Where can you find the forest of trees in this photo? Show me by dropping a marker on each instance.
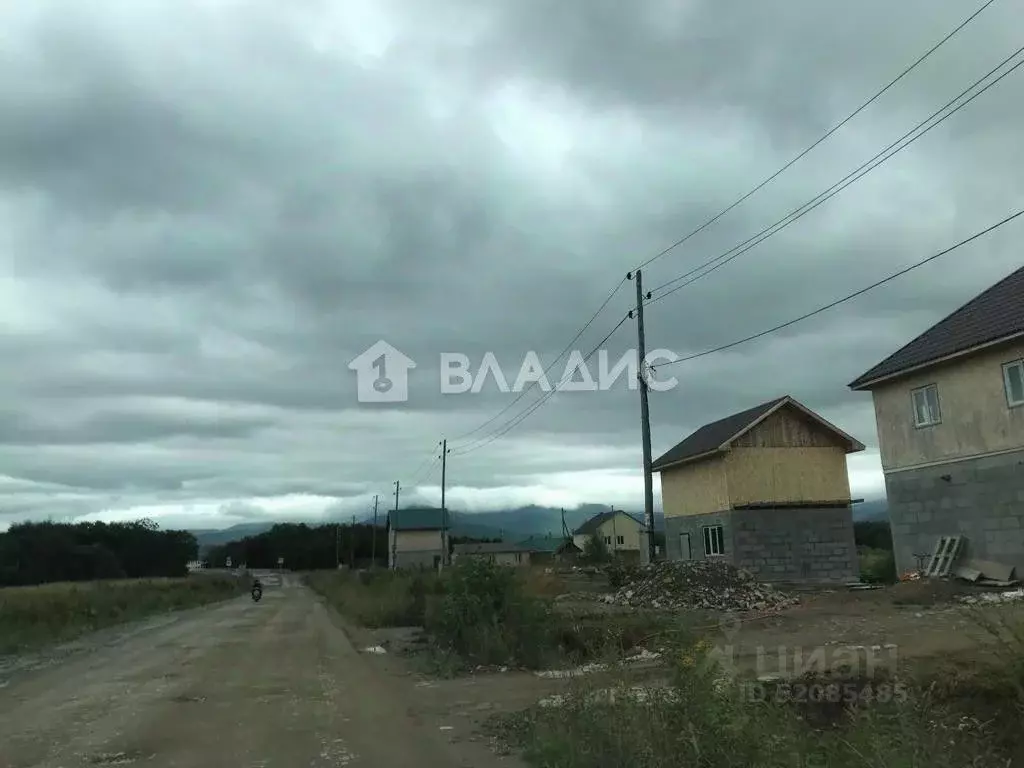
(38, 553)
(304, 547)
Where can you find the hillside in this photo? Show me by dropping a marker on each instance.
(502, 524)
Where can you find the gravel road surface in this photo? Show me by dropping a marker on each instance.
(274, 684)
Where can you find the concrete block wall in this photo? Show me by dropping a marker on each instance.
(694, 525)
(982, 499)
(813, 545)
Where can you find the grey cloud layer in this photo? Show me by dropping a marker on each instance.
(206, 214)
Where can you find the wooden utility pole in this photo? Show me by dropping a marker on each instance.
(373, 543)
(645, 413)
(337, 546)
(444, 509)
(394, 531)
(352, 546)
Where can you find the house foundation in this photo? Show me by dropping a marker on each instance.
(981, 499)
(804, 544)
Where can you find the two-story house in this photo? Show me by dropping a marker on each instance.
(949, 407)
(417, 537)
(766, 490)
(623, 535)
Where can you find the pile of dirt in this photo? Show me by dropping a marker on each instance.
(699, 584)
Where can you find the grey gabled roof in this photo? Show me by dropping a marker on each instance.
(996, 313)
(417, 519)
(715, 437)
(591, 525)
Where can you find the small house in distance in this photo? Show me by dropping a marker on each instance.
(621, 533)
(417, 537)
(499, 553)
(949, 406)
(766, 490)
(549, 548)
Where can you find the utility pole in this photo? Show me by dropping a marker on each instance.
(337, 546)
(645, 413)
(394, 531)
(373, 543)
(444, 509)
(352, 545)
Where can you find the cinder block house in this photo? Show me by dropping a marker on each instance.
(621, 533)
(766, 490)
(417, 537)
(949, 407)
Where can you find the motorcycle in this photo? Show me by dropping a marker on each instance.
(257, 592)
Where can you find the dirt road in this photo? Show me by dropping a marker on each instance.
(237, 685)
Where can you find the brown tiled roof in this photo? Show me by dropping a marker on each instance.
(711, 437)
(995, 314)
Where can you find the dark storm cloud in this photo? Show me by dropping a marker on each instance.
(220, 210)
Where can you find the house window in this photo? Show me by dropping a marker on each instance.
(620, 540)
(607, 539)
(1013, 377)
(713, 540)
(926, 406)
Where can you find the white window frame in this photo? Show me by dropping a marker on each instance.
(709, 533)
(933, 417)
(1007, 367)
(620, 540)
(608, 540)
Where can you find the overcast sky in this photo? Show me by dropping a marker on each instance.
(208, 209)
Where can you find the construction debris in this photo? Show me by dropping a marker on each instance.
(697, 584)
(1011, 596)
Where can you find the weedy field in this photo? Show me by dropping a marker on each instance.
(551, 665)
(32, 617)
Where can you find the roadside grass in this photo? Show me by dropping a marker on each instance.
(926, 716)
(33, 617)
(476, 614)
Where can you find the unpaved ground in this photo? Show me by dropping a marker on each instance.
(273, 684)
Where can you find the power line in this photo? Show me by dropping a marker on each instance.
(480, 443)
(848, 297)
(828, 133)
(851, 178)
(548, 369)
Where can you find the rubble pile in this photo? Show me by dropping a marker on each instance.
(699, 584)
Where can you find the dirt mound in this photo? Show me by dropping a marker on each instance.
(698, 584)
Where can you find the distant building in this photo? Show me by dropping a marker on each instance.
(499, 553)
(548, 548)
(622, 534)
(417, 537)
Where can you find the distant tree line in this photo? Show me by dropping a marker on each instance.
(873, 534)
(304, 547)
(39, 553)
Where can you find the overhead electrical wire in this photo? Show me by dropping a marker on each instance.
(824, 136)
(480, 442)
(848, 297)
(858, 173)
(568, 347)
(522, 416)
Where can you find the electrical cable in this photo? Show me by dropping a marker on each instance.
(848, 297)
(568, 347)
(480, 443)
(851, 178)
(828, 133)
